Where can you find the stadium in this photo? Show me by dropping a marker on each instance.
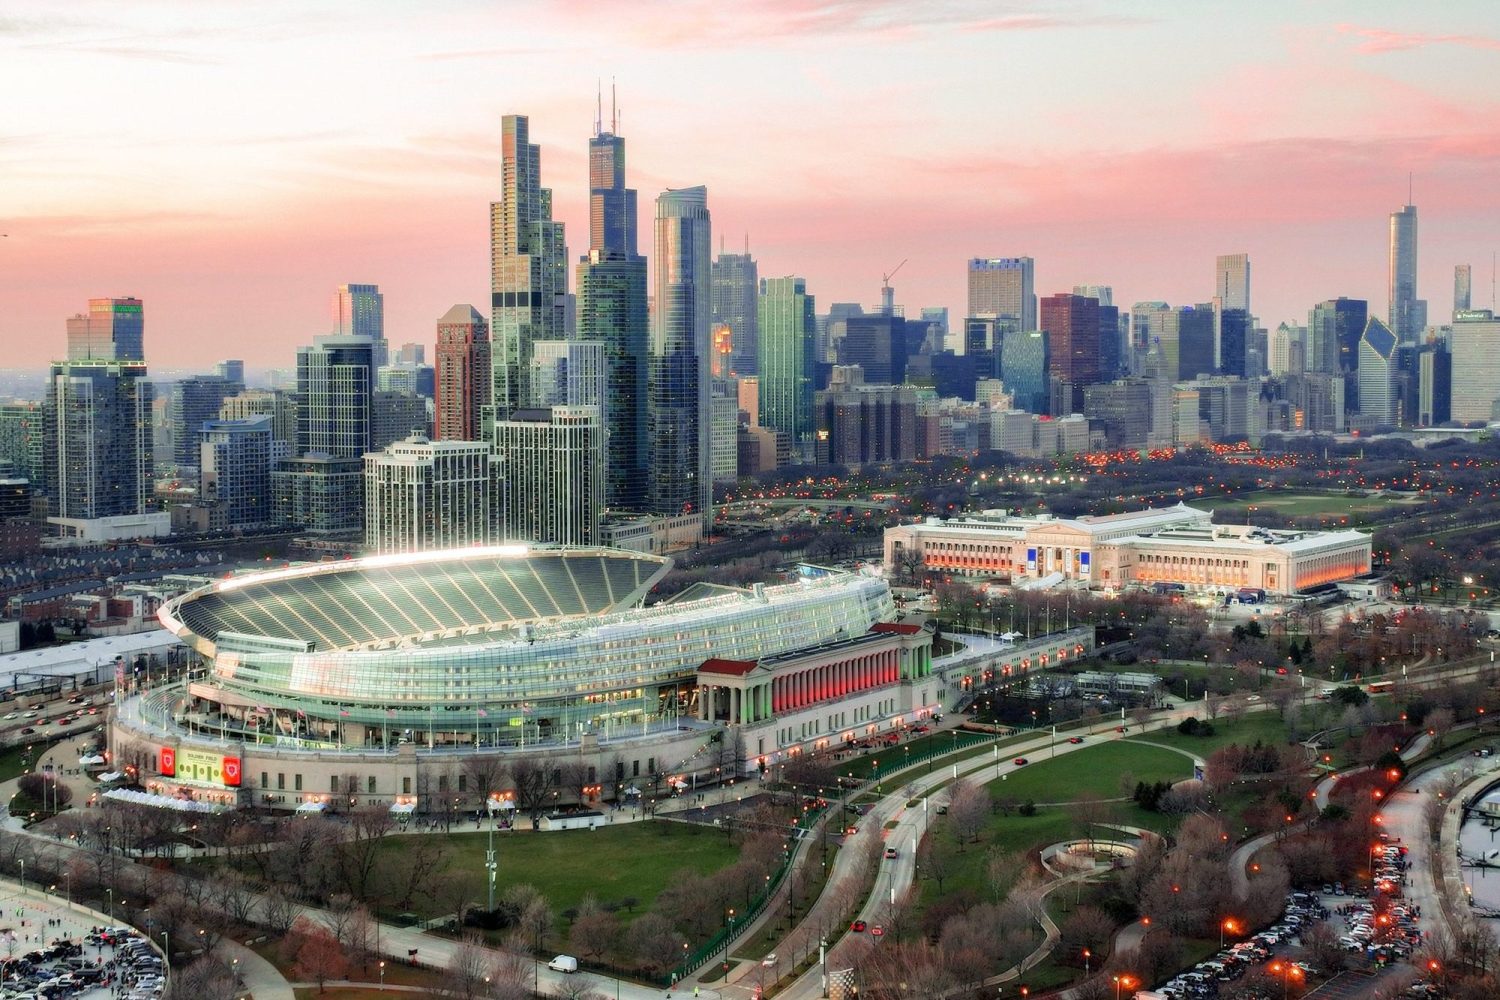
(381, 680)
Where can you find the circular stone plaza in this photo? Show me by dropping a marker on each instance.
(404, 680)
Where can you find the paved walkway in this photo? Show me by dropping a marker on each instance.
(258, 975)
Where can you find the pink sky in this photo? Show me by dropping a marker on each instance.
(232, 163)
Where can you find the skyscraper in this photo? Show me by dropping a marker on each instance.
(679, 432)
(1333, 331)
(551, 463)
(1105, 294)
(463, 380)
(194, 401)
(1072, 326)
(1462, 278)
(735, 299)
(1378, 396)
(877, 343)
(1232, 281)
(568, 373)
(97, 445)
(422, 494)
(112, 330)
(1025, 362)
(528, 269)
(359, 311)
(234, 464)
(1475, 344)
(1002, 287)
(787, 354)
(1407, 315)
(1234, 342)
(612, 311)
(1196, 353)
(321, 489)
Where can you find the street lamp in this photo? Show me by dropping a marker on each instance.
(1287, 971)
(382, 974)
(1227, 925)
(1121, 982)
(1086, 956)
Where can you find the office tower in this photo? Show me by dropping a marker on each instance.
(420, 380)
(279, 405)
(612, 310)
(1378, 396)
(1462, 278)
(528, 268)
(1232, 281)
(1286, 350)
(938, 317)
(1123, 407)
(568, 373)
(1475, 346)
(231, 371)
(859, 424)
(97, 450)
(736, 297)
(422, 494)
(982, 341)
(1334, 328)
(194, 401)
(877, 343)
(748, 393)
(1407, 315)
(832, 327)
(464, 378)
(1196, 353)
(112, 330)
(359, 311)
(1072, 326)
(1025, 363)
(21, 439)
(551, 462)
(1434, 385)
(679, 392)
(1104, 294)
(397, 414)
(234, 471)
(321, 488)
(335, 391)
(410, 355)
(1234, 342)
(786, 358)
(1002, 287)
(723, 428)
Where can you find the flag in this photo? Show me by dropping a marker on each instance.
(301, 714)
(483, 714)
(390, 713)
(343, 711)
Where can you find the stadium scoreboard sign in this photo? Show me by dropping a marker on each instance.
(201, 765)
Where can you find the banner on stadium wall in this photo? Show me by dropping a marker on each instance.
(208, 767)
(168, 759)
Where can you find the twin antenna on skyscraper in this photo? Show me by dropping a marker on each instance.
(614, 110)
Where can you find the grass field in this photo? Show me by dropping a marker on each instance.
(896, 757)
(1091, 771)
(1264, 726)
(10, 760)
(613, 862)
(1295, 503)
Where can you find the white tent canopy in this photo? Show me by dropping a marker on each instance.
(135, 796)
(403, 808)
(312, 807)
(109, 776)
(90, 760)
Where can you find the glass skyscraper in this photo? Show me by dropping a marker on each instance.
(1407, 314)
(680, 479)
(736, 299)
(612, 310)
(787, 345)
(97, 450)
(528, 268)
(359, 311)
(112, 330)
(1024, 363)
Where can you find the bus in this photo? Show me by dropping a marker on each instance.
(1381, 687)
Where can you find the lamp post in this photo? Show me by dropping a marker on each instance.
(1086, 956)
(1122, 981)
(166, 946)
(111, 891)
(22, 862)
(382, 975)
(1229, 925)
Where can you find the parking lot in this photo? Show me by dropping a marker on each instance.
(54, 951)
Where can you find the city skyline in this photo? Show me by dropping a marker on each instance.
(1275, 133)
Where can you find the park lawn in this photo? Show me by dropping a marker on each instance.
(895, 758)
(1094, 770)
(1264, 726)
(611, 862)
(10, 760)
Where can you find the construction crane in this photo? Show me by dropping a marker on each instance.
(887, 294)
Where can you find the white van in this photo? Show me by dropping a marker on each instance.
(563, 963)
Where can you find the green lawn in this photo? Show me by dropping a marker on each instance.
(1298, 504)
(1264, 726)
(612, 862)
(1094, 770)
(10, 760)
(896, 757)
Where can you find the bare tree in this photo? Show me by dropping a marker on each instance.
(968, 810)
(594, 930)
(655, 943)
(279, 912)
(533, 779)
(468, 966)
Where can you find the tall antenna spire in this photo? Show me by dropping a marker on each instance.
(747, 243)
(614, 110)
(1408, 187)
(599, 106)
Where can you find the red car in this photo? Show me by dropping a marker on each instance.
(857, 927)
(1019, 761)
(1075, 739)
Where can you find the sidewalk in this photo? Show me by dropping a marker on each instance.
(259, 976)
